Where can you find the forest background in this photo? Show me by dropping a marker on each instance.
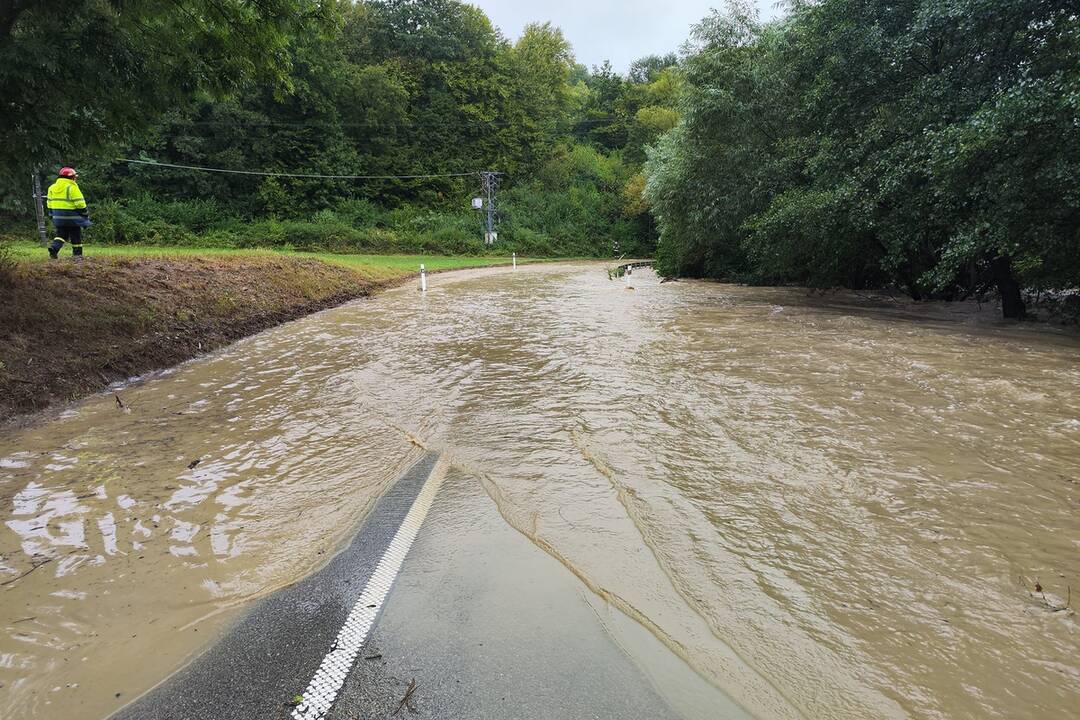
(927, 145)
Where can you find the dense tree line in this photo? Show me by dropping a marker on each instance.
(379, 87)
(919, 143)
(930, 144)
(83, 75)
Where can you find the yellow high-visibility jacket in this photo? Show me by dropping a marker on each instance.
(67, 206)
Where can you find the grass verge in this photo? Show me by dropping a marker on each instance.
(69, 329)
(373, 267)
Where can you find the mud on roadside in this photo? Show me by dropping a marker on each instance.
(68, 330)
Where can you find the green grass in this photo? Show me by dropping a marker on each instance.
(374, 267)
(412, 262)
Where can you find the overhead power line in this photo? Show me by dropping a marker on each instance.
(153, 163)
(243, 122)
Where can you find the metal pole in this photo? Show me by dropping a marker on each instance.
(490, 181)
(490, 208)
(39, 207)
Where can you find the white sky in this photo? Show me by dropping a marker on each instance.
(617, 30)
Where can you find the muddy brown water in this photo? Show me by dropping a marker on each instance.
(826, 507)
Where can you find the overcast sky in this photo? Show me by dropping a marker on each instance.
(617, 30)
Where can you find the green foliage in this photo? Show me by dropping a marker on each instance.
(927, 144)
(649, 68)
(575, 201)
(804, 236)
(80, 76)
(360, 227)
(7, 265)
(373, 88)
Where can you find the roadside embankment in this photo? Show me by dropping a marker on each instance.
(68, 330)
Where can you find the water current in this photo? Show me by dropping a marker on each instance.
(827, 506)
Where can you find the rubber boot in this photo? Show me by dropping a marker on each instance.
(54, 249)
(76, 253)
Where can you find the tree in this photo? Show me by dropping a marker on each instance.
(953, 124)
(704, 176)
(377, 87)
(604, 122)
(923, 143)
(82, 75)
(646, 70)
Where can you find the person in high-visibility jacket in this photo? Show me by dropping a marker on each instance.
(67, 208)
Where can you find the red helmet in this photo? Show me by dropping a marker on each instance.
(68, 172)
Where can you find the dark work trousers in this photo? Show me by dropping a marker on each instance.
(67, 233)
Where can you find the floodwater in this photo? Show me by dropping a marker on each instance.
(826, 507)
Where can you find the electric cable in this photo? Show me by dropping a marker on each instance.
(154, 163)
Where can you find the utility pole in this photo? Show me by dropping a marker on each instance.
(39, 207)
(489, 183)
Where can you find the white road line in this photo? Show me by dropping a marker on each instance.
(335, 667)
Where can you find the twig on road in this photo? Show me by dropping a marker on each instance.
(32, 569)
(406, 702)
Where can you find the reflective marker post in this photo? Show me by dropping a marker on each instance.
(423, 278)
(515, 261)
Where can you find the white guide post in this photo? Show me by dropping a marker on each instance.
(423, 278)
(515, 261)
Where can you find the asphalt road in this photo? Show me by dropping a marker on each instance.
(479, 622)
(490, 626)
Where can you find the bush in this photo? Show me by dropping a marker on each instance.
(581, 217)
(530, 242)
(455, 241)
(193, 215)
(371, 239)
(112, 225)
(160, 232)
(219, 238)
(310, 237)
(357, 213)
(7, 265)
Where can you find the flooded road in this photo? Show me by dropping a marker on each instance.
(825, 507)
